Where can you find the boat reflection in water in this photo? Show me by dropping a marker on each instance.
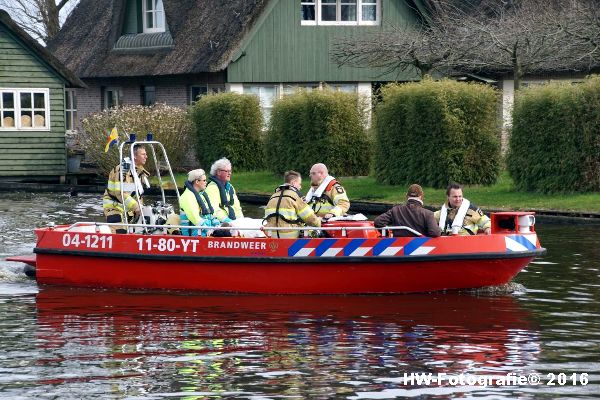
(308, 346)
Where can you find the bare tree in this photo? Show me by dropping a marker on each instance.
(40, 18)
(406, 49)
(582, 27)
(497, 36)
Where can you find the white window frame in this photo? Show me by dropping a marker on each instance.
(338, 5)
(156, 13)
(277, 86)
(71, 109)
(16, 92)
(285, 89)
(346, 87)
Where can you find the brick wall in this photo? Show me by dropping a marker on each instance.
(88, 101)
(173, 91)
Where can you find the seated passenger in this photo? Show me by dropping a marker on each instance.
(326, 196)
(412, 214)
(287, 209)
(459, 216)
(195, 206)
(221, 192)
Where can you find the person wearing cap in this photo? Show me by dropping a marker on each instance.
(412, 214)
(326, 196)
(195, 206)
(286, 208)
(458, 216)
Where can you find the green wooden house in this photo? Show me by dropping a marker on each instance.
(32, 107)
(172, 51)
(289, 45)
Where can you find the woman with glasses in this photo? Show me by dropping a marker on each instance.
(195, 206)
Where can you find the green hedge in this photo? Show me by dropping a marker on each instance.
(325, 126)
(170, 125)
(555, 139)
(436, 132)
(229, 125)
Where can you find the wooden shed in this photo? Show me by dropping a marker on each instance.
(32, 107)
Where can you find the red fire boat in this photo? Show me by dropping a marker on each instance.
(354, 258)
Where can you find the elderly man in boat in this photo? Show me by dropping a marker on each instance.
(286, 209)
(226, 205)
(195, 206)
(326, 196)
(458, 216)
(221, 192)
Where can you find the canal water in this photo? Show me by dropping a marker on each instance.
(537, 338)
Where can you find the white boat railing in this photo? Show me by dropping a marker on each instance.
(149, 142)
(343, 229)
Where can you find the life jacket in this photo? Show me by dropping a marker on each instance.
(204, 204)
(317, 196)
(225, 202)
(129, 184)
(446, 225)
(280, 193)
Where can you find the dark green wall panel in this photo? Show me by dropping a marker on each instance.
(31, 153)
(279, 49)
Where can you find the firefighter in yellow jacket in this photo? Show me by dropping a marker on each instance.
(326, 196)
(287, 209)
(116, 205)
(459, 217)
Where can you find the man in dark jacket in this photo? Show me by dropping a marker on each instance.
(412, 214)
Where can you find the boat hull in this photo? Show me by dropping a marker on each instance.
(276, 278)
(280, 266)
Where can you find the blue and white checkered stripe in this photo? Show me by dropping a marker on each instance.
(357, 247)
(521, 242)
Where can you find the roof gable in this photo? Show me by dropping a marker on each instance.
(204, 36)
(45, 57)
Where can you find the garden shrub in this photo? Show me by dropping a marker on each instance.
(555, 140)
(436, 132)
(324, 126)
(169, 125)
(229, 125)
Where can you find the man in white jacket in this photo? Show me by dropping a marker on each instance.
(458, 216)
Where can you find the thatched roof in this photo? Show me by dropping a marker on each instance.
(40, 51)
(205, 33)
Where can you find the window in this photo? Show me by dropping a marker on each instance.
(198, 91)
(148, 95)
(344, 87)
(24, 109)
(340, 12)
(267, 94)
(70, 110)
(307, 11)
(289, 88)
(154, 16)
(113, 97)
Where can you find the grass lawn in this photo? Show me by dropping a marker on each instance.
(364, 188)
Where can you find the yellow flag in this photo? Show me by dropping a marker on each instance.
(113, 138)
